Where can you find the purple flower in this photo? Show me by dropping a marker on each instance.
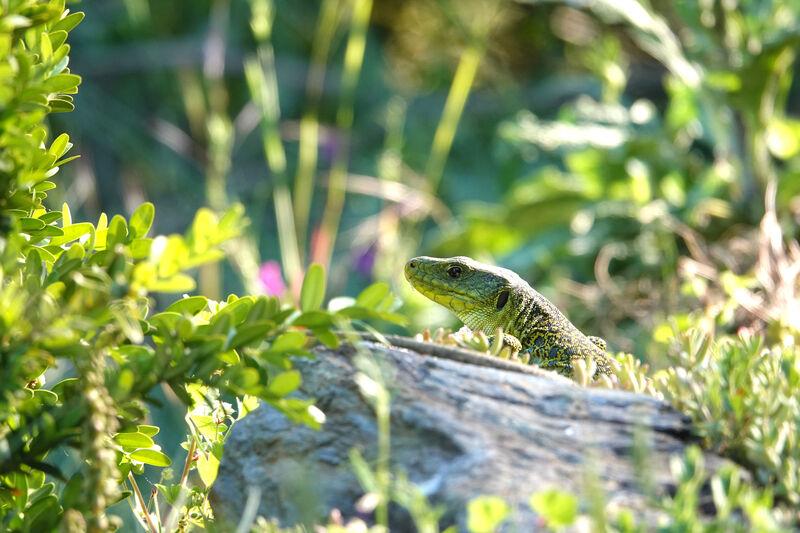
(271, 278)
(330, 145)
(364, 262)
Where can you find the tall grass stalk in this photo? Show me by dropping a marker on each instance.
(371, 380)
(390, 169)
(383, 473)
(309, 124)
(337, 181)
(218, 130)
(263, 84)
(206, 105)
(453, 108)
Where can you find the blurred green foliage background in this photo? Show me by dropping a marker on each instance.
(616, 155)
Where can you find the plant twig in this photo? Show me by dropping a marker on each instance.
(148, 520)
(187, 466)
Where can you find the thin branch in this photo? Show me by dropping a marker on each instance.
(142, 504)
(187, 466)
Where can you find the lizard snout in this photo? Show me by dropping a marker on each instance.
(411, 267)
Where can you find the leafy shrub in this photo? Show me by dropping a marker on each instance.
(742, 397)
(738, 505)
(75, 303)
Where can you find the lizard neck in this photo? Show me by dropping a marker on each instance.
(488, 318)
(532, 316)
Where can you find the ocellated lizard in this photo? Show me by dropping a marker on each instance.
(486, 297)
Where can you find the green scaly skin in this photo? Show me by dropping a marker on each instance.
(485, 297)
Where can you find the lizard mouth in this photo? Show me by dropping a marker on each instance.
(443, 294)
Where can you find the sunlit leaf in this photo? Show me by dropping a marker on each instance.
(557, 508)
(150, 431)
(141, 220)
(284, 383)
(250, 333)
(133, 440)
(151, 457)
(312, 293)
(486, 513)
(373, 295)
(207, 467)
(190, 305)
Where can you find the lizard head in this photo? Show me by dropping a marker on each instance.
(477, 293)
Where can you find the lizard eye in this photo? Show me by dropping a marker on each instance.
(502, 300)
(454, 271)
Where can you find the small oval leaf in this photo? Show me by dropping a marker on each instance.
(133, 439)
(313, 292)
(151, 457)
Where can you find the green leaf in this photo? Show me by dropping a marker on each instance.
(165, 321)
(122, 496)
(61, 105)
(142, 220)
(486, 513)
(284, 383)
(117, 232)
(238, 309)
(783, 137)
(326, 337)
(45, 46)
(190, 305)
(312, 293)
(71, 494)
(46, 256)
(68, 22)
(50, 216)
(289, 341)
(42, 489)
(373, 295)
(362, 471)
(61, 83)
(176, 283)
(60, 145)
(244, 379)
(246, 405)
(207, 426)
(133, 440)
(42, 514)
(150, 431)
(557, 508)
(47, 397)
(151, 457)
(57, 38)
(72, 232)
(30, 224)
(207, 467)
(140, 248)
(314, 319)
(170, 493)
(250, 333)
(204, 230)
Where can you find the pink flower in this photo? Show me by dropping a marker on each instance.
(271, 278)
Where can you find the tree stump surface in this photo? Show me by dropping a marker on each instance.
(459, 431)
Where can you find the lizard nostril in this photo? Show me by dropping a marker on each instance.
(412, 264)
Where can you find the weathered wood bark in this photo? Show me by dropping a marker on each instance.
(458, 430)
